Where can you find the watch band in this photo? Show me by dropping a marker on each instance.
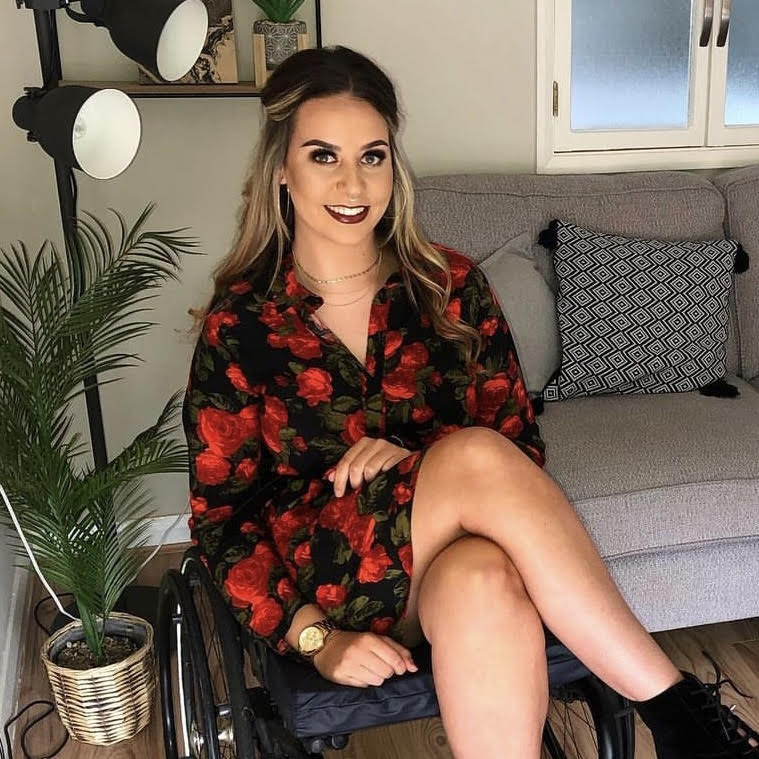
(327, 626)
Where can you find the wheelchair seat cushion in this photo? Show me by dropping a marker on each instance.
(313, 706)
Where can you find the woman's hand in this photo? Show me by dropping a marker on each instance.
(362, 659)
(364, 460)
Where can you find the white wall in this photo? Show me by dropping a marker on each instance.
(465, 78)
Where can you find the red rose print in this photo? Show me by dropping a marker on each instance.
(303, 554)
(371, 364)
(436, 379)
(274, 419)
(400, 384)
(471, 400)
(513, 368)
(285, 526)
(225, 432)
(211, 469)
(489, 326)
(360, 533)
(246, 470)
(247, 581)
(281, 380)
(304, 346)
(315, 385)
(373, 565)
(238, 379)
(460, 267)
(423, 414)
(286, 590)
(219, 514)
(402, 493)
(267, 615)
(315, 487)
(493, 394)
(214, 322)
(250, 528)
(331, 596)
(381, 625)
(283, 468)
(240, 288)
(378, 318)
(520, 393)
(355, 427)
(414, 356)
(198, 505)
(407, 464)
(453, 310)
(393, 341)
(405, 554)
(271, 317)
(511, 426)
(292, 286)
(299, 444)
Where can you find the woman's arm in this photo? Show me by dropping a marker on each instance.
(498, 394)
(222, 423)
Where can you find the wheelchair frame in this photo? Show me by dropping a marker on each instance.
(220, 716)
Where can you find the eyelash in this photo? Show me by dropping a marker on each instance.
(379, 154)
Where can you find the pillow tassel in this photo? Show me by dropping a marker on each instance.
(720, 389)
(741, 260)
(548, 238)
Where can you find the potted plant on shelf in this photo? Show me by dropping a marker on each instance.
(64, 318)
(277, 36)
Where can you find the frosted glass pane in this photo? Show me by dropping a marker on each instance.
(742, 99)
(630, 64)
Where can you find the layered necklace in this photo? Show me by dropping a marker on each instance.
(335, 280)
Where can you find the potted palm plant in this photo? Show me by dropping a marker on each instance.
(65, 317)
(277, 36)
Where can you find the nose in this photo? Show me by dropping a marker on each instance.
(350, 182)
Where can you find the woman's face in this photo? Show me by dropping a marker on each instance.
(338, 169)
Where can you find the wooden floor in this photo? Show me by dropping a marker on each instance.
(735, 646)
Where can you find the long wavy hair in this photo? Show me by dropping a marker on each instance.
(266, 222)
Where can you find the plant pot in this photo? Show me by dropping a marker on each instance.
(108, 704)
(273, 41)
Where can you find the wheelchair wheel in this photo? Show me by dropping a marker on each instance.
(587, 719)
(198, 712)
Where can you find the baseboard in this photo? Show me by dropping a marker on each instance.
(11, 657)
(178, 531)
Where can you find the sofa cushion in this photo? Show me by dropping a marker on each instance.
(741, 190)
(478, 213)
(529, 306)
(638, 316)
(651, 474)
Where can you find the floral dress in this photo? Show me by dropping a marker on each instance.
(274, 402)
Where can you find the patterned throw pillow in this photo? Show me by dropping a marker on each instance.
(640, 316)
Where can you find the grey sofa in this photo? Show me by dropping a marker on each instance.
(667, 484)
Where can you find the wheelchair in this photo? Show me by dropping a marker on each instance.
(284, 709)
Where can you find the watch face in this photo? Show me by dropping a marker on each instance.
(311, 639)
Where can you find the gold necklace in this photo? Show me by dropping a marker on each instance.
(348, 303)
(338, 279)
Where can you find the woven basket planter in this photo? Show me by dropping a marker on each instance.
(109, 704)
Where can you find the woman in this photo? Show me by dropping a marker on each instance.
(366, 469)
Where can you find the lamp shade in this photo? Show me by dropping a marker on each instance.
(164, 36)
(97, 131)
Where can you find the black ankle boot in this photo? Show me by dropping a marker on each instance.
(688, 721)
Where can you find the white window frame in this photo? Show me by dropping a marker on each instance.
(561, 151)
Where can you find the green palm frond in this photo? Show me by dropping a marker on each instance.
(279, 10)
(64, 317)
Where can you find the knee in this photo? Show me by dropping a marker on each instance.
(479, 449)
(471, 578)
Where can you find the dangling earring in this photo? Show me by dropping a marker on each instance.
(287, 208)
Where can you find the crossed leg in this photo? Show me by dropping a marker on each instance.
(473, 604)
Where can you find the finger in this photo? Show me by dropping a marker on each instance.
(378, 461)
(342, 468)
(396, 458)
(404, 653)
(371, 677)
(357, 466)
(386, 662)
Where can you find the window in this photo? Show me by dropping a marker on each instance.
(647, 84)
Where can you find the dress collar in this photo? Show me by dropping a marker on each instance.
(287, 291)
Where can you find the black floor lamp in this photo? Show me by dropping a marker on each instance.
(98, 131)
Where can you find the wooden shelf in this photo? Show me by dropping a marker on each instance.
(135, 89)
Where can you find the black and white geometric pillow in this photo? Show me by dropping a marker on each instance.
(640, 316)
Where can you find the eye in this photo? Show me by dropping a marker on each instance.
(318, 154)
(378, 155)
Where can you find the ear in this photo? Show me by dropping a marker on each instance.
(282, 177)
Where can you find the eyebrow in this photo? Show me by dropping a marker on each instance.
(336, 148)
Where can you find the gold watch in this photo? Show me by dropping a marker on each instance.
(312, 638)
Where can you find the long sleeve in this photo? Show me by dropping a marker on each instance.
(222, 424)
(498, 393)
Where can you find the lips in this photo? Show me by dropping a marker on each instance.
(345, 219)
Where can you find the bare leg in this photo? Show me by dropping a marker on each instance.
(475, 481)
(488, 652)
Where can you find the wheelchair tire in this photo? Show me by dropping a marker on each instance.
(225, 656)
(587, 719)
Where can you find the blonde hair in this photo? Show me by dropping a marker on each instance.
(264, 231)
